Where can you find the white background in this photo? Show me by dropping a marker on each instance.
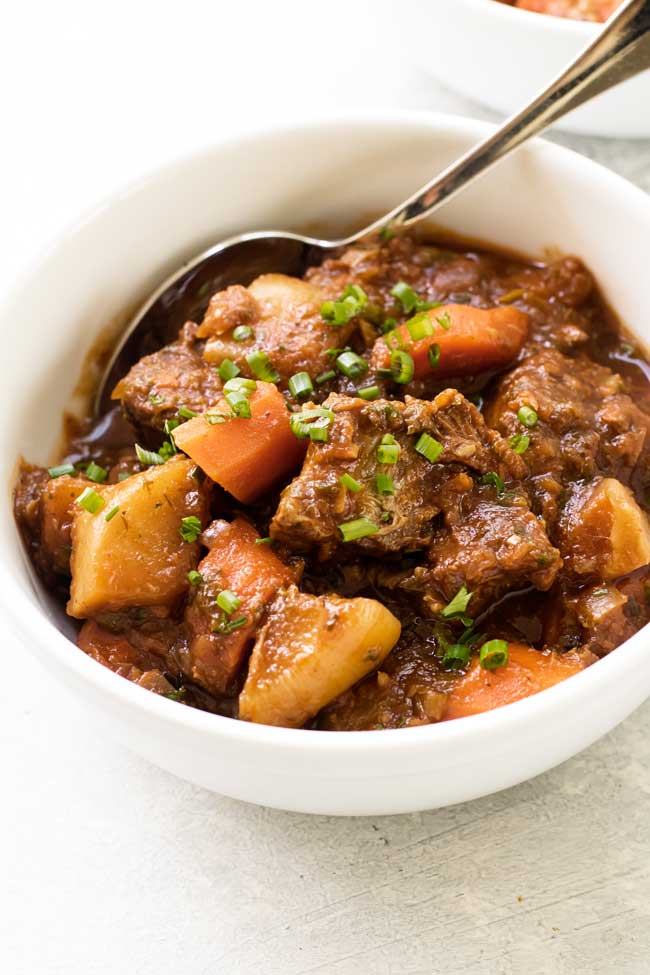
(108, 865)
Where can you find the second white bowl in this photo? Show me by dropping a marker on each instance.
(502, 56)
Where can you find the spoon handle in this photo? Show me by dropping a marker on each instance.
(621, 50)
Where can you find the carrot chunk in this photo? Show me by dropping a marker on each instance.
(527, 672)
(252, 574)
(244, 456)
(465, 340)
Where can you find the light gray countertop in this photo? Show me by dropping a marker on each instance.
(110, 865)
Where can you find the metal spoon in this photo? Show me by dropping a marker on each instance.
(620, 51)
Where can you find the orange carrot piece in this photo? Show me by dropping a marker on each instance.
(254, 574)
(527, 672)
(470, 340)
(245, 456)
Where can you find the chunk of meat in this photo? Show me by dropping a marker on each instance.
(595, 10)
(490, 544)
(288, 327)
(121, 655)
(586, 424)
(311, 649)
(600, 617)
(410, 690)
(527, 672)
(158, 385)
(314, 505)
(227, 310)
(254, 574)
(465, 340)
(135, 555)
(57, 514)
(603, 532)
(245, 456)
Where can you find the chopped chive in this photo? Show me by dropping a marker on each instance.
(264, 541)
(318, 432)
(385, 373)
(429, 447)
(194, 578)
(96, 473)
(242, 333)
(351, 365)
(325, 377)
(388, 450)
(405, 295)
(386, 516)
(386, 233)
(262, 366)
(90, 501)
(111, 514)
(369, 392)
(349, 482)
(240, 385)
(458, 604)
(444, 321)
(228, 370)
(420, 327)
(215, 417)
(493, 654)
(148, 457)
(61, 470)
(402, 366)
(520, 443)
(229, 626)
(239, 404)
(190, 528)
(122, 476)
(359, 528)
(385, 484)
(155, 399)
(186, 414)
(456, 654)
(300, 385)
(228, 602)
(527, 416)
(351, 303)
(410, 300)
(433, 355)
(493, 478)
(393, 339)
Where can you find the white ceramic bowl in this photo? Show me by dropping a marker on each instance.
(325, 174)
(501, 56)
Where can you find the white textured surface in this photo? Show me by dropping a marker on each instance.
(109, 865)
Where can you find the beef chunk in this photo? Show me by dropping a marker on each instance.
(586, 425)
(44, 508)
(158, 385)
(285, 316)
(317, 502)
(558, 297)
(227, 310)
(410, 689)
(490, 544)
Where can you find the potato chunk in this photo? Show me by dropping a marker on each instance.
(137, 557)
(311, 649)
(604, 532)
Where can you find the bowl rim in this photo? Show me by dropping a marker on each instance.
(583, 29)
(28, 626)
